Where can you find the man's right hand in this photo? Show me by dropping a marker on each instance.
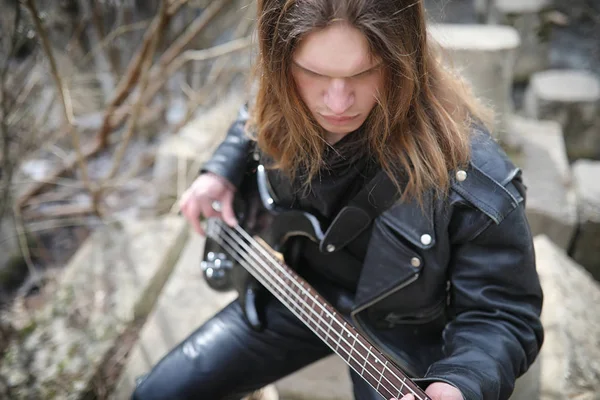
(197, 200)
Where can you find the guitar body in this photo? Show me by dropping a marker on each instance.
(258, 215)
(253, 259)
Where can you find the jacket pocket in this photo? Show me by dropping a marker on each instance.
(417, 317)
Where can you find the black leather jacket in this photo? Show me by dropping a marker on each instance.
(450, 289)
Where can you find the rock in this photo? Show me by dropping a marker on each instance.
(328, 379)
(180, 157)
(570, 357)
(586, 245)
(571, 98)
(551, 201)
(485, 56)
(111, 281)
(526, 16)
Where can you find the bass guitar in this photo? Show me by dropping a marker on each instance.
(249, 258)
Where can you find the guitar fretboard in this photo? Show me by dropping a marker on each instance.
(303, 300)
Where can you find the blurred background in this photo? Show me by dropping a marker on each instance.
(109, 107)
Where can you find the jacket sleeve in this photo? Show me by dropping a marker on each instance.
(230, 158)
(496, 333)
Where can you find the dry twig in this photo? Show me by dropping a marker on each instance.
(121, 30)
(137, 106)
(132, 74)
(62, 91)
(22, 238)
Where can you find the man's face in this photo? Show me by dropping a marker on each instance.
(337, 78)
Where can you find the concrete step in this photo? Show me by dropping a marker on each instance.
(551, 200)
(484, 55)
(571, 98)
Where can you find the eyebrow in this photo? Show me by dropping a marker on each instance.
(352, 76)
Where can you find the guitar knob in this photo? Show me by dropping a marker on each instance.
(216, 269)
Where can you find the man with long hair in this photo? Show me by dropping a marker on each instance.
(443, 279)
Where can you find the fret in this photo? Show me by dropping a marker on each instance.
(366, 360)
(312, 322)
(397, 382)
(354, 361)
(400, 392)
(383, 370)
(337, 345)
(330, 316)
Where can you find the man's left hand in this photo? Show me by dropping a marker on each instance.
(439, 391)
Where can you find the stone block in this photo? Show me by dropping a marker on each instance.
(185, 303)
(527, 17)
(180, 157)
(569, 367)
(551, 201)
(572, 99)
(111, 281)
(586, 244)
(484, 55)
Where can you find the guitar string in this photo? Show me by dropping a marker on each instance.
(343, 327)
(349, 333)
(281, 297)
(275, 263)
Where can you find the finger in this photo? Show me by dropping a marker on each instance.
(407, 397)
(192, 214)
(228, 213)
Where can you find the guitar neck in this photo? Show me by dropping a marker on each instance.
(315, 312)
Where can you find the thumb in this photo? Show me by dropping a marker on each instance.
(228, 213)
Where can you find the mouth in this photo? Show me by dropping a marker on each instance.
(339, 119)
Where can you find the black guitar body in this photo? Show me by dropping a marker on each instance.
(258, 215)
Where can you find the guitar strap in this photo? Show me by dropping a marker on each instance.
(377, 196)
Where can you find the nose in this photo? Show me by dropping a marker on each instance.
(339, 96)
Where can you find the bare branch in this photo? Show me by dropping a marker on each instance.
(6, 167)
(132, 73)
(195, 55)
(62, 91)
(190, 33)
(86, 153)
(137, 107)
(121, 30)
(23, 242)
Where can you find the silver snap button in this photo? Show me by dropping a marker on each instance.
(330, 248)
(415, 262)
(461, 175)
(426, 239)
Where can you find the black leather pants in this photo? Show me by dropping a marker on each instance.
(225, 359)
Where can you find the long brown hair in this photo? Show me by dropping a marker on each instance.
(421, 124)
